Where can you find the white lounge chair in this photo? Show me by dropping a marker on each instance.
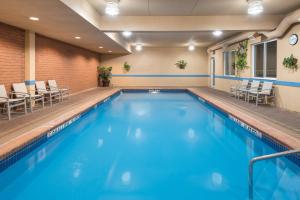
(50, 95)
(8, 103)
(53, 87)
(263, 94)
(20, 91)
(254, 86)
(243, 85)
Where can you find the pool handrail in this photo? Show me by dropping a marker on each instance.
(260, 158)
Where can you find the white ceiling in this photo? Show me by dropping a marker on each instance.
(195, 7)
(56, 21)
(61, 21)
(176, 39)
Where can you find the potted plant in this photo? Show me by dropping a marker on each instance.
(290, 63)
(241, 57)
(104, 75)
(181, 64)
(126, 67)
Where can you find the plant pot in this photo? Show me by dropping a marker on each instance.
(105, 83)
(99, 82)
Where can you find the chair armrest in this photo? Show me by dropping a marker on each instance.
(266, 90)
(42, 90)
(4, 98)
(21, 93)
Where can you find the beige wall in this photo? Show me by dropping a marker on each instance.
(286, 97)
(159, 61)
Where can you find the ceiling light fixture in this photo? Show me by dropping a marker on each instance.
(112, 7)
(109, 51)
(101, 47)
(139, 47)
(127, 33)
(34, 18)
(255, 7)
(217, 33)
(191, 47)
(77, 37)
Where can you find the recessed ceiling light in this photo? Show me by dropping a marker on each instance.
(112, 7)
(126, 33)
(255, 7)
(217, 33)
(77, 37)
(191, 47)
(34, 18)
(139, 47)
(101, 47)
(109, 51)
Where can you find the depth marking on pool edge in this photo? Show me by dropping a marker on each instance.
(61, 127)
(105, 100)
(246, 126)
(201, 99)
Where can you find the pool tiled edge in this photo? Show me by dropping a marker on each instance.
(17, 147)
(265, 129)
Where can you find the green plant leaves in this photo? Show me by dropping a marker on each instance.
(290, 63)
(104, 72)
(126, 67)
(241, 57)
(181, 64)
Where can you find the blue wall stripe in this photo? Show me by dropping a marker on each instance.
(29, 82)
(161, 75)
(276, 82)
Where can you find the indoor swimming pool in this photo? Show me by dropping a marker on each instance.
(150, 146)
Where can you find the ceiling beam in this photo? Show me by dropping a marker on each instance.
(190, 23)
(90, 15)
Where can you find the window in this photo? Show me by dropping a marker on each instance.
(229, 63)
(265, 59)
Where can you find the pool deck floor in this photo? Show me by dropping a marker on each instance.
(22, 128)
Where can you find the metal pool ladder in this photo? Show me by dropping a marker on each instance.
(265, 157)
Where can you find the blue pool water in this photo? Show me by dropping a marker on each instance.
(150, 147)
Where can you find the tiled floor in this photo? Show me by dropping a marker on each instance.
(23, 123)
(287, 119)
(286, 122)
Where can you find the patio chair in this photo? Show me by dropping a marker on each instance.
(263, 94)
(243, 85)
(64, 92)
(49, 95)
(20, 91)
(254, 86)
(9, 104)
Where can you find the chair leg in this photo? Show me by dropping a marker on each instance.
(25, 107)
(62, 96)
(50, 96)
(31, 106)
(8, 111)
(43, 101)
(257, 100)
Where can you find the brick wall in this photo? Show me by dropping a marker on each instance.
(12, 56)
(69, 65)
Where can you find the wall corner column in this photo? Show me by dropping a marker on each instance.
(30, 60)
